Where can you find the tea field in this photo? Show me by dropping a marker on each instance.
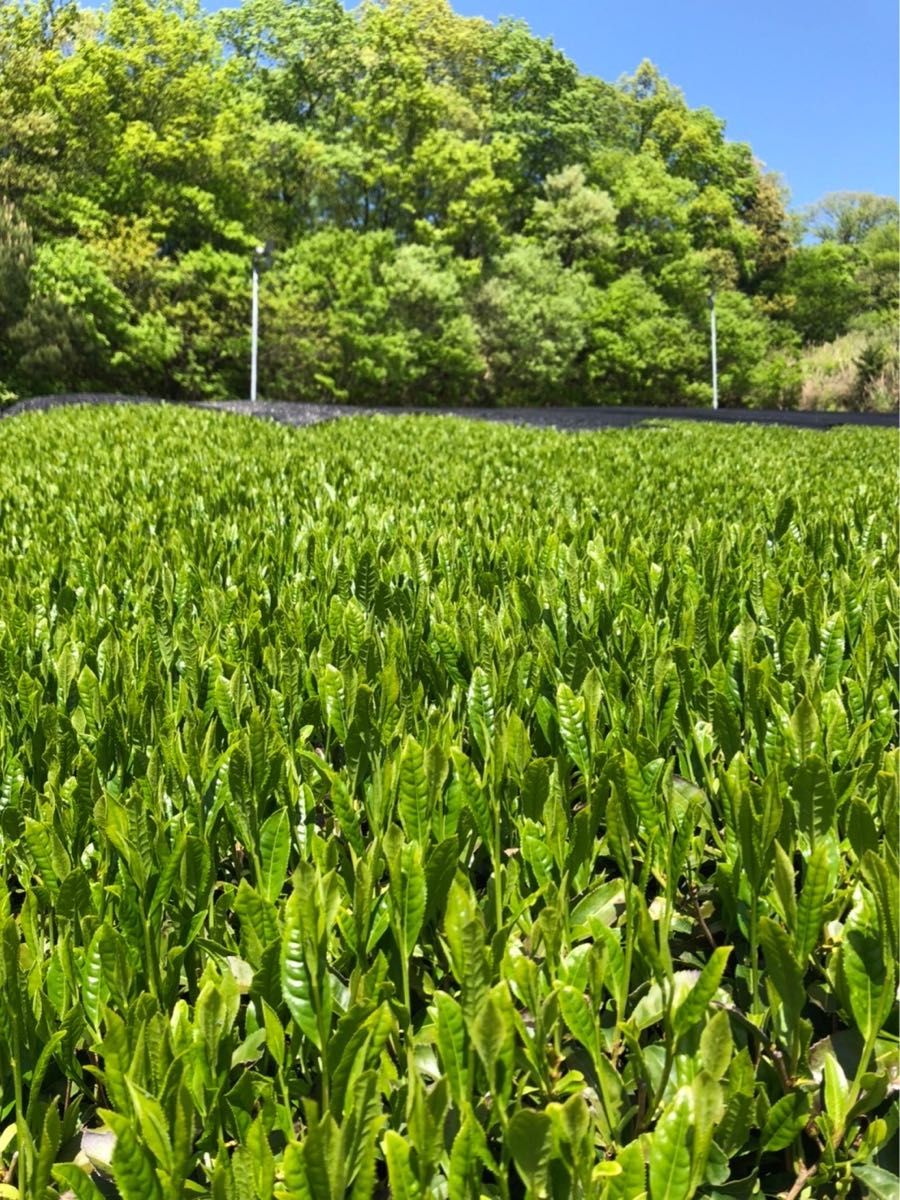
(405, 807)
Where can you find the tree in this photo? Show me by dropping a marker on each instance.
(47, 345)
(462, 192)
(148, 125)
(641, 350)
(534, 95)
(758, 364)
(29, 47)
(426, 301)
(646, 94)
(848, 217)
(651, 205)
(80, 329)
(766, 215)
(457, 210)
(693, 146)
(574, 220)
(825, 293)
(74, 324)
(532, 314)
(203, 298)
(16, 259)
(299, 57)
(351, 316)
(879, 270)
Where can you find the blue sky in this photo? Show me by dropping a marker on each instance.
(812, 85)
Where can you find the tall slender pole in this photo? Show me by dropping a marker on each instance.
(712, 336)
(254, 330)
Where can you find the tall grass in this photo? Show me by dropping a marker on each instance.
(859, 371)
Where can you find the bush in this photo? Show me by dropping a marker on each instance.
(877, 381)
(775, 382)
(16, 259)
(426, 303)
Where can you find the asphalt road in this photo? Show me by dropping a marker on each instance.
(574, 418)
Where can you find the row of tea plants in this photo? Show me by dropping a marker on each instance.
(418, 808)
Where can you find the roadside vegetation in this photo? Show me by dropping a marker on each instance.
(456, 214)
(859, 370)
(420, 808)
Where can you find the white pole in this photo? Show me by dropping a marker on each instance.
(254, 330)
(712, 334)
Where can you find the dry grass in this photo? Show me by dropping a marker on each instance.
(839, 375)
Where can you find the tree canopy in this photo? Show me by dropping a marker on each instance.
(458, 214)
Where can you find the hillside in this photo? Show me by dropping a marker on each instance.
(455, 214)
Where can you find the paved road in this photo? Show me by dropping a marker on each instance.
(575, 418)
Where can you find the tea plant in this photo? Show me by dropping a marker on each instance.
(418, 808)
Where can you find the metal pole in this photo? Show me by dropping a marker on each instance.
(254, 330)
(712, 335)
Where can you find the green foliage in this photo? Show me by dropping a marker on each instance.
(72, 275)
(352, 316)
(765, 214)
(418, 172)
(850, 218)
(826, 294)
(340, 852)
(449, 201)
(16, 258)
(848, 278)
(200, 319)
(642, 348)
(755, 360)
(576, 221)
(48, 348)
(531, 315)
(879, 271)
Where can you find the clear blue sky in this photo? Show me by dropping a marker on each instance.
(812, 85)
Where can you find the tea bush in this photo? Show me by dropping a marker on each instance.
(418, 808)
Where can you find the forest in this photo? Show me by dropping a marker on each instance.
(452, 212)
